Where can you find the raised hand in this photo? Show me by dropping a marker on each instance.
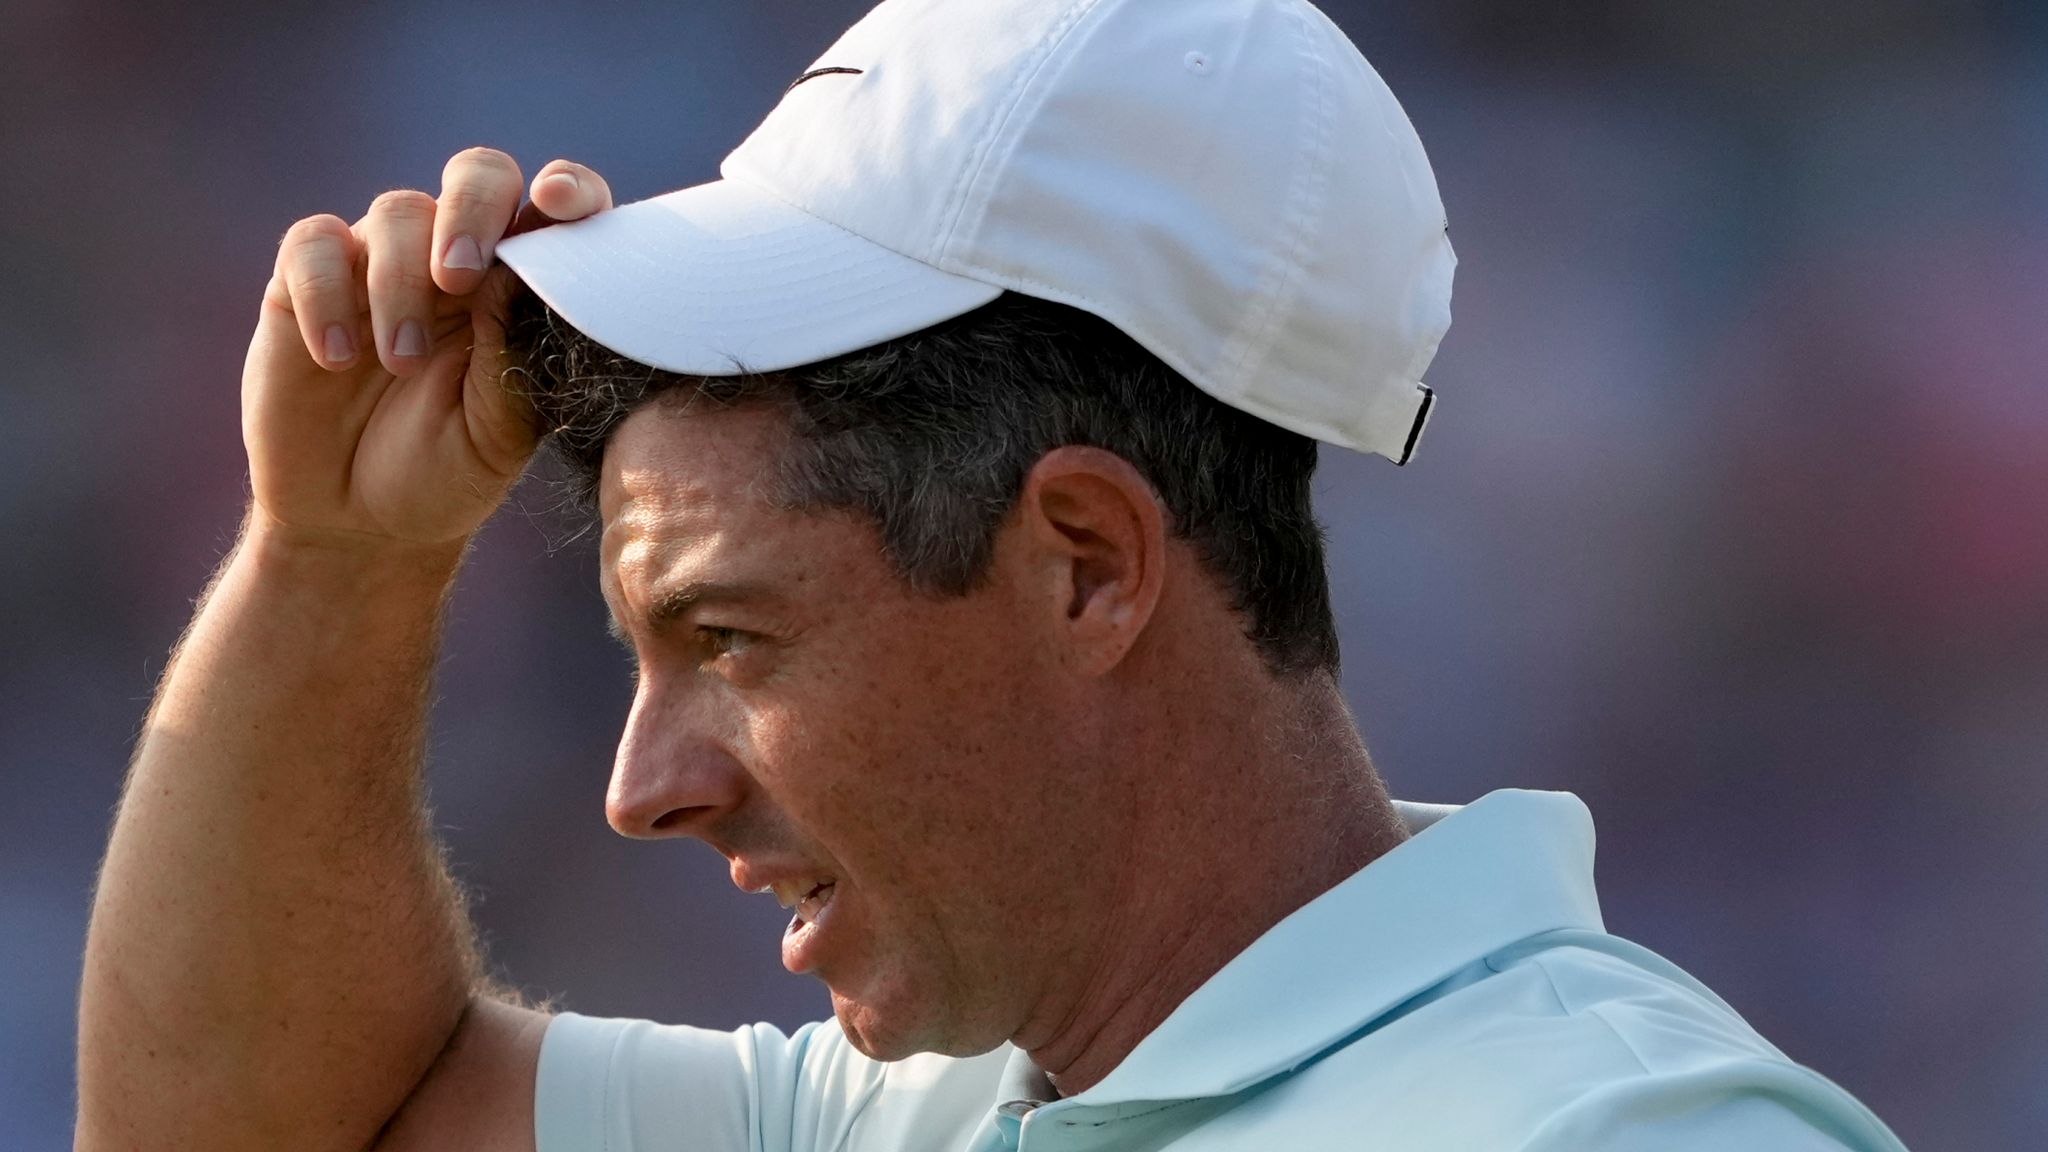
(372, 404)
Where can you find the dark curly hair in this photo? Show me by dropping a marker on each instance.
(931, 435)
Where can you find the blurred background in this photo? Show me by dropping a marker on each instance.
(1733, 518)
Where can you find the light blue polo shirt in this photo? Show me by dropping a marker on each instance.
(1459, 994)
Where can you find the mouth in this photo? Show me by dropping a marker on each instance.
(809, 898)
(811, 905)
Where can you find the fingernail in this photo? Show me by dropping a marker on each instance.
(565, 179)
(463, 253)
(340, 345)
(411, 340)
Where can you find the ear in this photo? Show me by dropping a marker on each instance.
(1096, 533)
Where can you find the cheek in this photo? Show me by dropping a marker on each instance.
(903, 749)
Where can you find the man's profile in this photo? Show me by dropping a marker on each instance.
(953, 461)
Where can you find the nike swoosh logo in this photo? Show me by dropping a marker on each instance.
(814, 73)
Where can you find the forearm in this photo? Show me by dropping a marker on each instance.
(276, 953)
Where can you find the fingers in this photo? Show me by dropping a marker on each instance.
(315, 281)
(503, 423)
(479, 194)
(397, 237)
(562, 190)
(411, 261)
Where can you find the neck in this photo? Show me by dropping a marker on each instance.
(1237, 816)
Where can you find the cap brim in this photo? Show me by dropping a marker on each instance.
(722, 279)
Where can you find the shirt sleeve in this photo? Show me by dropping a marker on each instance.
(635, 1086)
(1763, 1105)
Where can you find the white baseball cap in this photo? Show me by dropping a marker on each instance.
(1226, 181)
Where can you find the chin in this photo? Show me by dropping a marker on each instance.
(882, 1030)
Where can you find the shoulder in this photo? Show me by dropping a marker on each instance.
(1574, 1040)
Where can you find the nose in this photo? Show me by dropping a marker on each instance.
(671, 777)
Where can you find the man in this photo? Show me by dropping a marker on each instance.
(953, 457)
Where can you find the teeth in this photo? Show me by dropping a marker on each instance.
(812, 906)
(791, 893)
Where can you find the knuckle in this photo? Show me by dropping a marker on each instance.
(318, 283)
(401, 280)
(467, 199)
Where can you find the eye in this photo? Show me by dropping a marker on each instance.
(723, 641)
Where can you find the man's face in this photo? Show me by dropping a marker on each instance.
(907, 768)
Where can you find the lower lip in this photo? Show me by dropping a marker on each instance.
(802, 942)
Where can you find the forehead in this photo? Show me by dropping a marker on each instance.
(678, 486)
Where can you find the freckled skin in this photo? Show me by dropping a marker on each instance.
(1052, 807)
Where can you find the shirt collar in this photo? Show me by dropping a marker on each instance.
(1471, 881)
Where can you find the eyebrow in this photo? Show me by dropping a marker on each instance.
(676, 603)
